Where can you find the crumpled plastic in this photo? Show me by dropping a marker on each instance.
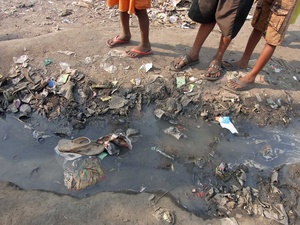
(82, 172)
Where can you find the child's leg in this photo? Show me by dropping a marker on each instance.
(125, 36)
(124, 17)
(193, 55)
(143, 18)
(262, 60)
(251, 44)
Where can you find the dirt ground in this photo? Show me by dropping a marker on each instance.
(40, 29)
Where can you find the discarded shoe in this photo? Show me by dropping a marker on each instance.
(65, 145)
(91, 149)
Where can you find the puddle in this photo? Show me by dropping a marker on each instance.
(34, 165)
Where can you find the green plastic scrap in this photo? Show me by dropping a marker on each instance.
(47, 61)
(102, 155)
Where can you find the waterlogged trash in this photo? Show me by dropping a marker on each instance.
(154, 148)
(269, 153)
(226, 123)
(146, 67)
(82, 172)
(159, 113)
(25, 111)
(113, 142)
(222, 170)
(39, 135)
(174, 132)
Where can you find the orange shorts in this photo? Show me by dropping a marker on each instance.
(129, 5)
(272, 17)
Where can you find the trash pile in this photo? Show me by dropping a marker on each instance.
(273, 197)
(70, 95)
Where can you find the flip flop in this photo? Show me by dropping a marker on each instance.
(114, 42)
(215, 71)
(183, 60)
(231, 65)
(91, 149)
(235, 86)
(134, 53)
(65, 145)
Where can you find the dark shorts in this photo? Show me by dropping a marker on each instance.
(230, 15)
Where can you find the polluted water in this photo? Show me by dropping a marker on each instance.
(159, 162)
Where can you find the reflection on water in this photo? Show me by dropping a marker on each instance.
(34, 165)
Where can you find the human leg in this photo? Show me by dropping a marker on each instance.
(213, 71)
(193, 55)
(144, 48)
(242, 63)
(249, 78)
(125, 36)
(230, 17)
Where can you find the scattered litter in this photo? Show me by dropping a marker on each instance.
(113, 142)
(64, 65)
(63, 78)
(66, 52)
(226, 123)
(269, 153)
(154, 148)
(108, 67)
(174, 131)
(159, 113)
(117, 102)
(102, 155)
(180, 81)
(146, 67)
(142, 189)
(173, 19)
(39, 135)
(164, 215)
(21, 60)
(47, 61)
(222, 171)
(190, 89)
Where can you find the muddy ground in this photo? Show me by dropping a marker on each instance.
(47, 29)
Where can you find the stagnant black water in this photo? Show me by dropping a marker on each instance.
(34, 165)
